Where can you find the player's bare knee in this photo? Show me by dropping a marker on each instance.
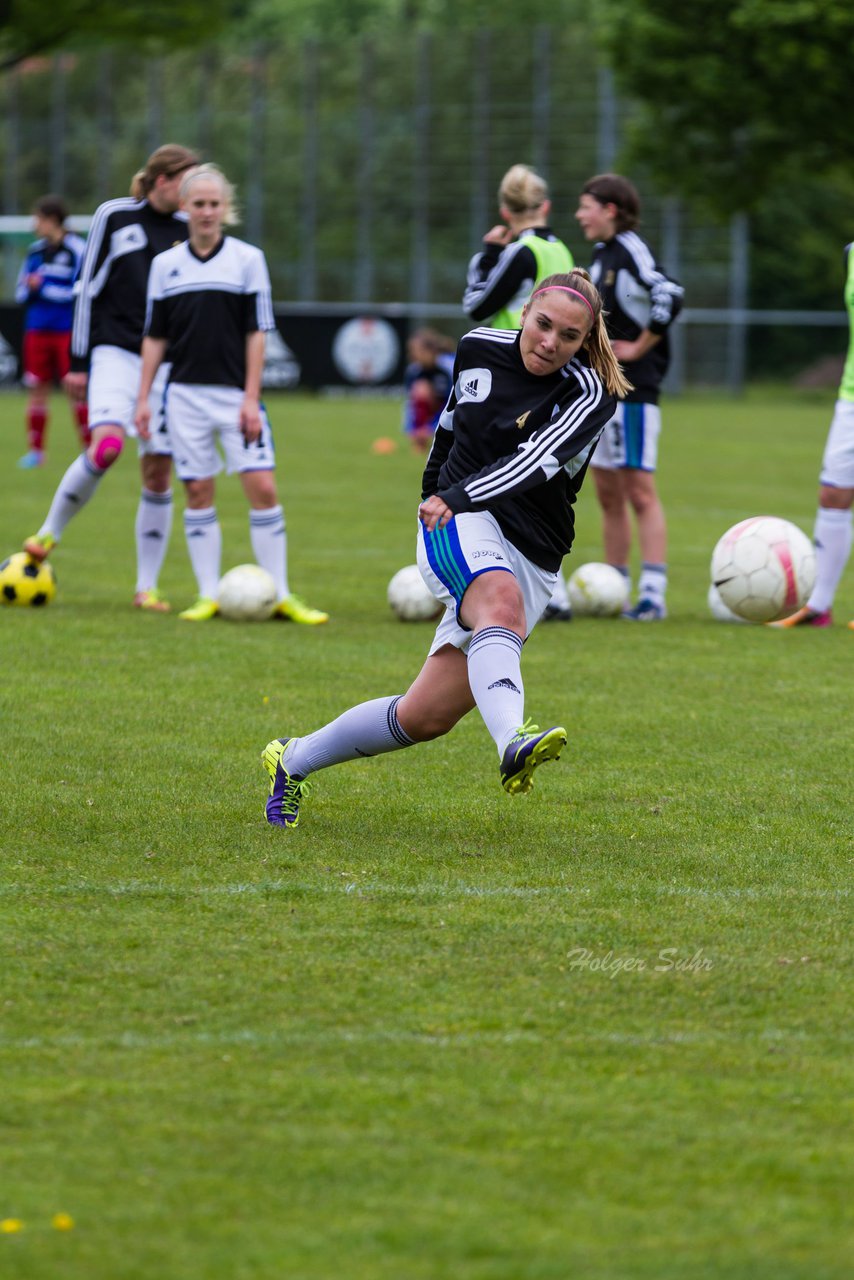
(494, 600)
(642, 495)
(834, 499)
(156, 472)
(429, 725)
(263, 494)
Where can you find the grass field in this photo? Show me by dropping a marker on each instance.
(602, 1031)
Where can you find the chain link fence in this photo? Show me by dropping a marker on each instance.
(368, 172)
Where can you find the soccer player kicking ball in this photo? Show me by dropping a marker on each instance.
(496, 520)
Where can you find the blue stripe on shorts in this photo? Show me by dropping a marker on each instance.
(446, 559)
(633, 434)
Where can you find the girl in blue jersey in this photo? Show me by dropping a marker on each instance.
(495, 520)
(45, 286)
(428, 382)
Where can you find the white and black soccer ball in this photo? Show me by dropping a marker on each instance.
(410, 598)
(598, 591)
(247, 594)
(763, 568)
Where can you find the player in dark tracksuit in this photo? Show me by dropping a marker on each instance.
(496, 519)
(517, 253)
(106, 338)
(641, 303)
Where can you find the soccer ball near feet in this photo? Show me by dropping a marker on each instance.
(763, 568)
(410, 597)
(247, 594)
(23, 581)
(598, 590)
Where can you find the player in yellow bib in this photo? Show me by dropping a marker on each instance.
(517, 253)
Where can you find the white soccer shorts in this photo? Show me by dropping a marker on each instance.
(113, 388)
(630, 439)
(200, 418)
(470, 544)
(837, 465)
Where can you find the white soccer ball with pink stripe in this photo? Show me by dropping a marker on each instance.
(764, 568)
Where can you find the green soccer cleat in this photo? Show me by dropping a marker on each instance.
(202, 611)
(525, 752)
(292, 609)
(285, 791)
(151, 602)
(39, 546)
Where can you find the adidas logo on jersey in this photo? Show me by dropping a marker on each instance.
(474, 384)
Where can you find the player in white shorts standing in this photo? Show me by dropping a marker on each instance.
(496, 519)
(209, 302)
(105, 342)
(641, 303)
(832, 533)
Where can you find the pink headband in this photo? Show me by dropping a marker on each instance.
(565, 289)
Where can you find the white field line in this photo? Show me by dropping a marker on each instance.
(241, 1037)
(426, 889)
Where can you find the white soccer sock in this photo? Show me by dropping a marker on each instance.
(832, 536)
(653, 583)
(153, 526)
(495, 678)
(370, 729)
(204, 543)
(270, 545)
(75, 489)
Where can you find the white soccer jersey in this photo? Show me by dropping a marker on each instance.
(206, 307)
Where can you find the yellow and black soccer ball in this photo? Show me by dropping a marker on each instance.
(24, 581)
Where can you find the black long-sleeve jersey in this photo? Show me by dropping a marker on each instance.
(637, 295)
(502, 276)
(124, 237)
(516, 443)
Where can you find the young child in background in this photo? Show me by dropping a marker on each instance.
(45, 287)
(428, 381)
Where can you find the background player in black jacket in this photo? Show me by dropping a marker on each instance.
(517, 253)
(641, 303)
(106, 339)
(496, 519)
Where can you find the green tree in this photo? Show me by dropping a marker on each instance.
(28, 27)
(734, 96)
